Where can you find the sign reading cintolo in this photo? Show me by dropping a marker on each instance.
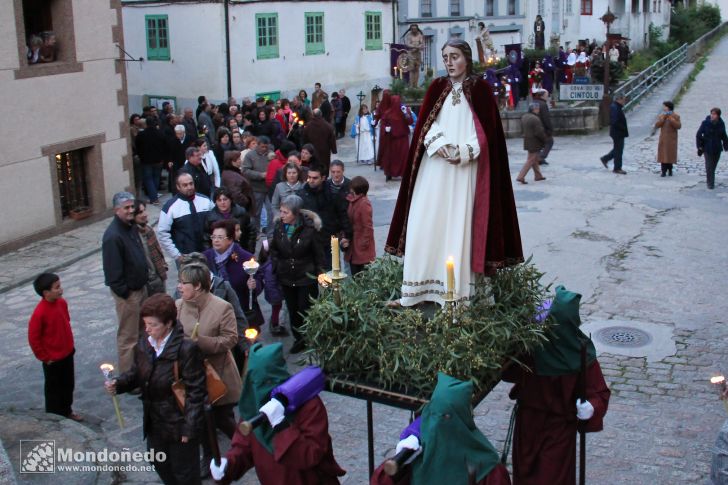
(581, 92)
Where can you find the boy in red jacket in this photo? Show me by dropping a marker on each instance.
(51, 339)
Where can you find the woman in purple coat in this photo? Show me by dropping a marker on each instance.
(225, 259)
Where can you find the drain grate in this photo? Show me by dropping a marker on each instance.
(624, 337)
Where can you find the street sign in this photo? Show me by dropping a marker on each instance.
(581, 92)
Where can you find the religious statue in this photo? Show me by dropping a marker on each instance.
(415, 41)
(456, 198)
(484, 43)
(539, 30)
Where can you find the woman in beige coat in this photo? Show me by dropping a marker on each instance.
(211, 322)
(668, 122)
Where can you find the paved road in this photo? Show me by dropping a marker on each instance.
(646, 252)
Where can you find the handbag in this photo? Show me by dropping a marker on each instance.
(216, 388)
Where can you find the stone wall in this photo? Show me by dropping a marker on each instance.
(566, 121)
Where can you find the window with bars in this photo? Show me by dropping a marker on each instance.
(373, 31)
(569, 8)
(157, 37)
(314, 33)
(586, 7)
(266, 46)
(541, 8)
(489, 8)
(427, 53)
(511, 7)
(72, 183)
(455, 8)
(426, 8)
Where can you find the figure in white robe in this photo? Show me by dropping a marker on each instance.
(362, 131)
(444, 193)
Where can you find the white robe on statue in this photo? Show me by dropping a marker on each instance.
(364, 144)
(439, 224)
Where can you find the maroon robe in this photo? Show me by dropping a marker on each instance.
(497, 476)
(544, 438)
(394, 146)
(303, 453)
(496, 237)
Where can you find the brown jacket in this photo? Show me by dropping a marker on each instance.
(321, 135)
(534, 136)
(361, 248)
(667, 146)
(217, 334)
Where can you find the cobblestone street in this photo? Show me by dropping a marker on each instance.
(647, 254)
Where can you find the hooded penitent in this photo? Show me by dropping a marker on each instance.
(450, 440)
(266, 370)
(561, 354)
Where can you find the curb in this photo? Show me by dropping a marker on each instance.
(55, 267)
(7, 475)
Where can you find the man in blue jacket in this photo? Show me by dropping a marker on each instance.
(126, 272)
(618, 132)
(711, 139)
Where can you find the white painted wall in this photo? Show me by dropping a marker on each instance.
(197, 53)
(197, 64)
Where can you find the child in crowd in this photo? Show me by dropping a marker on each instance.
(360, 251)
(272, 291)
(51, 339)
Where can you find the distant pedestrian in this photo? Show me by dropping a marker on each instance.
(126, 273)
(321, 135)
(51, 339)
(710, 139)
(618, 132)
(394, 145)
(539, 96)
(668, 122)
(534, 140)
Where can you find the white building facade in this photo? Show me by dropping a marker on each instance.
(68, 152)
(276, 48)
(512, 21)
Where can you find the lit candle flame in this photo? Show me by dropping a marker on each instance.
(251, 333)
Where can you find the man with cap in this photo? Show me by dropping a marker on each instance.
(449, 446)
(549, 408)
(292, 449)
(126, 273)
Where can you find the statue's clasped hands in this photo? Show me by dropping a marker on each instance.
(450, 153)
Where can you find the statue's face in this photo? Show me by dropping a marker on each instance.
(455, 63)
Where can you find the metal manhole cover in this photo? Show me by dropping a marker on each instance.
(624, 337)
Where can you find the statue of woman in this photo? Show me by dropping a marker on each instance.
(456, 197)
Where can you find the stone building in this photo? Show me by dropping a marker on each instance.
(65, 129)
(252, 48)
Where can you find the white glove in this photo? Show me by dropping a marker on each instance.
(274, 410)
(218, 472)
(411, 443)
(387, 129)
(584, 410)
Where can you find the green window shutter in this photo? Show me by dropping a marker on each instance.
(266, 46)
(314, 30)
(373, 31)
(157, 29)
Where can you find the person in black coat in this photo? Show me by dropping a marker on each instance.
(331, 208)
(194, 167)
(296, 254)
(710, 140)
(618, 132)
(167, 428)
(152, 150)
(177, 145)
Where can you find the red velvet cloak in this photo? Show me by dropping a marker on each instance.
(303, 453)
(544, 438)
(496, 237)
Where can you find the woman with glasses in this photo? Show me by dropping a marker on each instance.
(225, 259)
(210, 321)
